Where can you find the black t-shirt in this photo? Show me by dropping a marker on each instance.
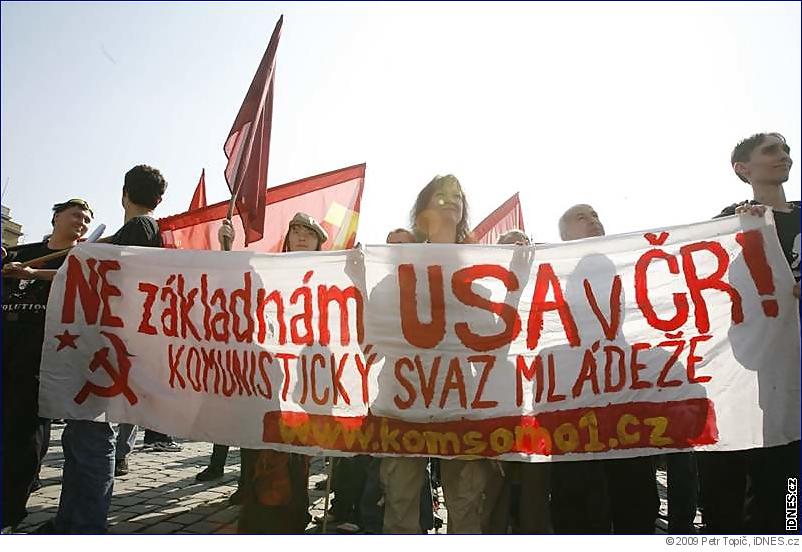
(142, 231)
(788, 230)
(24, 308)
(26, 300)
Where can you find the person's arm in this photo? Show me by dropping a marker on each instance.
(16, 270)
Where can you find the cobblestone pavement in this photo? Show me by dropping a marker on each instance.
(160, 495)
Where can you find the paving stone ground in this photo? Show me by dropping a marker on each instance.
(160, 494)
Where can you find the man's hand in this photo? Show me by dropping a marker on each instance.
(16, 270)
(748, 209)
(225, 235)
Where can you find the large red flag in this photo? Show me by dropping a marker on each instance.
(248, 145)
(508, 216)
(333, 198)
(199, 197)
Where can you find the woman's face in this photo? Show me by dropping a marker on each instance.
(301, 238)
(447, 202)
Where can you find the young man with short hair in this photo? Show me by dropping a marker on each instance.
(744, 491)
(142, 192)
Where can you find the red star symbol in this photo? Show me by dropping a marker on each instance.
(66, 340)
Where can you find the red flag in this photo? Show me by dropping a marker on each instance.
(333, 198)
(508, 216)
(201, 236)
(248, 145)
(199, 198)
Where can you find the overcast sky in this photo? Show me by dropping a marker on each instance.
(632, 108)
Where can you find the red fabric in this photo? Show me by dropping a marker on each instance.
(508, 216)
(200, 236)
(333, 198)
(199, 198)
(248, 145)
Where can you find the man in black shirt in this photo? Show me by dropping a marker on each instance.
(616, 495)
(764, 162)
(25, 293)
(744, 491)
(143, 192)
(89, 446)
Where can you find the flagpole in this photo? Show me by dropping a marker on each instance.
(250, 121)
(58, 254)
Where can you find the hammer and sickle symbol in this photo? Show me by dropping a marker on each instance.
(118, 374)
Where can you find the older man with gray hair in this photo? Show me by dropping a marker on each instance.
(599, 496)
(579, 222)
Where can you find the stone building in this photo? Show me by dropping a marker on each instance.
(11, 230)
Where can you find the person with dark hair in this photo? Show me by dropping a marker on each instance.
(25, 293)
(764, 162)
(369, 512)
(143, 188)
(440, 215)
(275, 485)
(514, 237)
(516, 497)
(89, 446)
(744, 491)
(142, 192)
(216, 467)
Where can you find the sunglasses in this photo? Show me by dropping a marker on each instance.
(74, 202)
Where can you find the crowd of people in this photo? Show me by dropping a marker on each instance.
(737, 491)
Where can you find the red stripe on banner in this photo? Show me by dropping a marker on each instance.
(677, 425)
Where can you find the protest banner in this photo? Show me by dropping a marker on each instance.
(641, 343)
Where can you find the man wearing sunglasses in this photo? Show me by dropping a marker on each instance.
(25, 292)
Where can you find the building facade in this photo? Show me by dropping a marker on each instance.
(11, 230)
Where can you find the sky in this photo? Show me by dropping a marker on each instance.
(633, 108)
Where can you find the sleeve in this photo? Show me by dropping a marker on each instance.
(16, 254)
(10, 257)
